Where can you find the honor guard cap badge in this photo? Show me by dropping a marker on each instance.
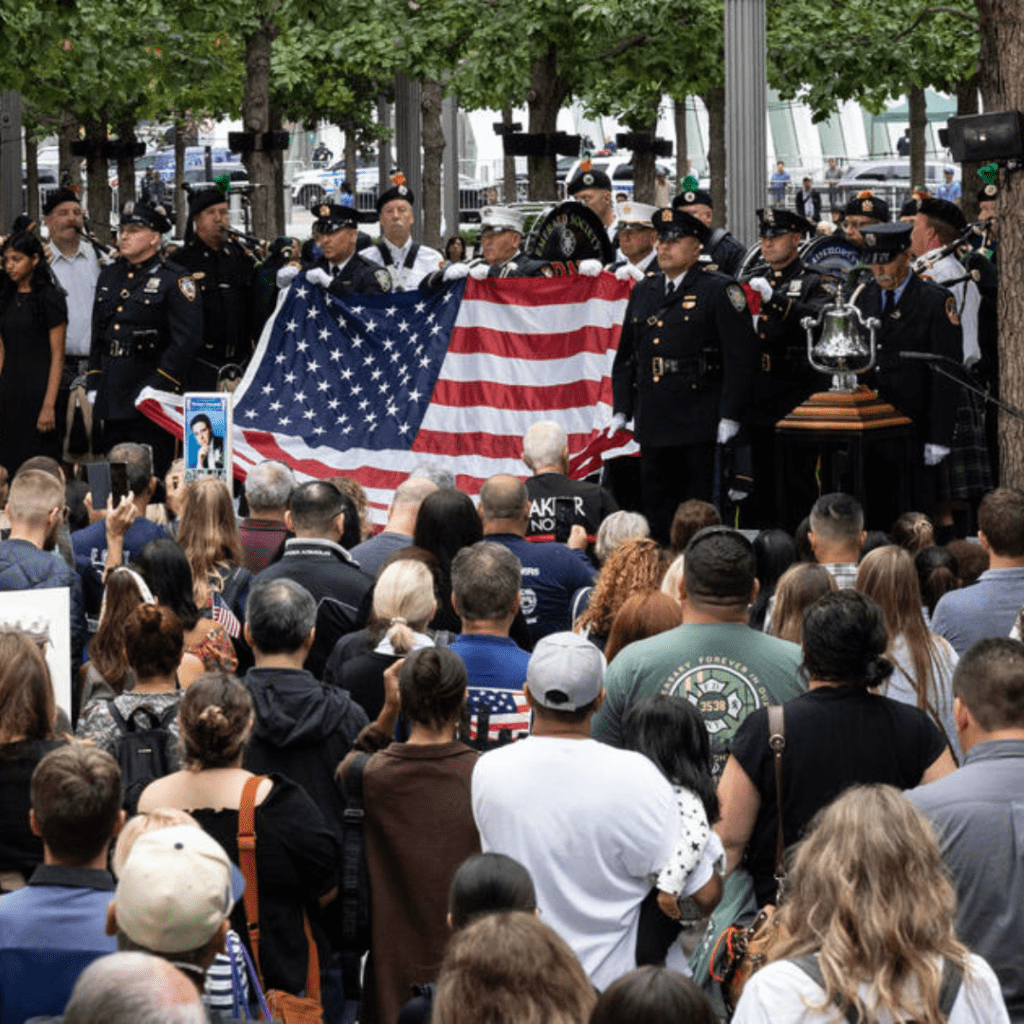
(689, 196)
(869, 240)
(867, 206)
(991, 190)
(588, 179)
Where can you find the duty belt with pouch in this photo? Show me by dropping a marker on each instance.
(704, 368)
(142, 342)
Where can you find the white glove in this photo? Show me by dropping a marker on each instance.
(319, 276)
(456, 272)
(727, 430)
(934, 454)
(91, 396)
(629, 272)
(590, 268)
(287, 274)
(480, 271)
(737, 496)
(615, 424)
(762, 287)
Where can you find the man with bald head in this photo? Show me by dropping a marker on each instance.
(551, 572)
(398, 530)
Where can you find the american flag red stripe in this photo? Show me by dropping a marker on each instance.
(519, 350)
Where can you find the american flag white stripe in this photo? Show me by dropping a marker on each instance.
(519, 350)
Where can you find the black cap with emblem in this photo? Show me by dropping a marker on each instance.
(867, 204)
(988, 193)
(671, 223)
(146, 215)
(884, 242)
(779, 221)
(202, 198)
(398, 190)
(331, 217)
(693, 197)
(589, 179)
(941, 209)
(58, 196)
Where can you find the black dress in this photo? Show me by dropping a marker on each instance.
(25, 324)
(20, 850)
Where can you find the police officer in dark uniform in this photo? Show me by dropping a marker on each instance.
(917, 316)
(684, 369)
(863, 210)
(501, 234)
(224, 274)
(342, 270)
(725, 252)
(789, 291)
(147, 325)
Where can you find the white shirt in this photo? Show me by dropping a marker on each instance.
(590, 823)
(782, 993)
(404, 279)
(967, 296)
(78, 275)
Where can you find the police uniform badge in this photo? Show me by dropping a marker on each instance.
(866, 206)
(383, 279)
(187, 287)
(951, 311)
(736, 297)
(769, 216)
(152, 286)
(869, 241)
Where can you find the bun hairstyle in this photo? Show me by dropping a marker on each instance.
(845, 639)
(432, 686)
(215, 716)
(154, 639)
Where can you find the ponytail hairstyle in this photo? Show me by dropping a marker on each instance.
(403, 602)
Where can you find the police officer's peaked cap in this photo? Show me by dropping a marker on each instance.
(589, 179)
(670, 223)
(145, 214)
(331, 217)
(779, 221)
(883, 242)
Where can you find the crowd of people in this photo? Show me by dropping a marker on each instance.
(558, 750)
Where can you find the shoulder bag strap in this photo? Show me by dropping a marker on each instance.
(247, 864)
(352, 846)
(808, 963)
(385, 253)
(951, 979)
(777, 741)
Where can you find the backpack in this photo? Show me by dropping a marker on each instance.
(144, 752)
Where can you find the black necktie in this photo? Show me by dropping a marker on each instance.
(335, 271)
(890, 302)
(670, 289)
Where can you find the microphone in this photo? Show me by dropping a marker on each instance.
(930, 357)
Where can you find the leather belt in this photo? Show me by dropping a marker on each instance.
(661, 367)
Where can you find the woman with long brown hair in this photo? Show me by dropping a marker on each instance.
(641, 616)
(869, 926)
(633, 567)
(923, 661)
(797, 589)
(209, 534)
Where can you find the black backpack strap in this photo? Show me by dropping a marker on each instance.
(950, 988)
(352, 846)
(808, 963)
(127, 725)
(169, 716)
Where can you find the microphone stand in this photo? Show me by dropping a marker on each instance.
(935, 363)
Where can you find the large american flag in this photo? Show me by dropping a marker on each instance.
(373, 385)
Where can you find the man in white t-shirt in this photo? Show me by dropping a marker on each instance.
(589, 822)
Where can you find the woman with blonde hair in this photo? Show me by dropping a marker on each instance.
(510, 968)
(403, 605)
(208, 532)
(634, 567)
(923, 661)
(869, 926)
(798, 588)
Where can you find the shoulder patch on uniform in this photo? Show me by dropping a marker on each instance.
(736, 297)
(711, 266)
(187, 287)
(951, 313)
(383, 279)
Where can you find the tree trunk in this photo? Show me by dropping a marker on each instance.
(69, 128)
(509, 162)
(548, 91)
(126, 163)
(277, 188)
(180, 199)
(1002, 33)
(644, 162)
(682, 155)
(966, 104)
(32, 177)
(351, 150)
(98, 181)
(988, 57)
(918, 123)
(256, 119)
(714, 100)
(432, 137)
